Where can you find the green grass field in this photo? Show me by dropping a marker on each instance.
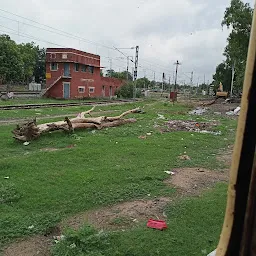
(35, 100)
(106, 167)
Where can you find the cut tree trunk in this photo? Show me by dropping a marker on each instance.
(31, 130)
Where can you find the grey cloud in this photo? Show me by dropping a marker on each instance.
(161, 28)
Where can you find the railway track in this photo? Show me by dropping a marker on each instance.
(51, 105)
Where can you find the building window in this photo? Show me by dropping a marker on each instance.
(81, 89)
(83, 68)
(91, 69)
(54, 66)
(64, 56)
(91, 89)
(53, 56)
(76, 67)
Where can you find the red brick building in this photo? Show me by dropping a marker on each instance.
(72, 74)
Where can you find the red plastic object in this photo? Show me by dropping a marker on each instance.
(157, 224)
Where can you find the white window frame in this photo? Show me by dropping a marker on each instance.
(81, 87)
(64, 56)
(91, 88)
(54, 69)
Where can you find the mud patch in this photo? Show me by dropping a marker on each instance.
(194, 180)
(36, 245)
(122, 215)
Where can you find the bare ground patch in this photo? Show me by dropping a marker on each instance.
(36, 245)
(191, 181)
(187, 181)
(122, 215)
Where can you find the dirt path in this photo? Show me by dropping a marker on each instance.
(187, 181)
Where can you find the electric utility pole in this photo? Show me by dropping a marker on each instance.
(154, 79)
(232, 81)
(191, 79)
(136, 69)
(176, 74)
(163, 79)
(127, 69)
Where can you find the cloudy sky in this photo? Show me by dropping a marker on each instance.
(165, 31)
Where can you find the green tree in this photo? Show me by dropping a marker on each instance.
(11, 64)
(120, 75)
(29, 56)
(123, 75)
(142, 83)
(110, 73)
(238, 18)
(39, 68)
(126, 91)
(223, 75)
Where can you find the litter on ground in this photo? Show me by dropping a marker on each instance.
(169, 172)
(188, 125)
(198, 111)
(160, 116)
(212, 253)
(234, 112)
(157, 224)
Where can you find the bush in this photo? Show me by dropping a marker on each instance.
(126, 91)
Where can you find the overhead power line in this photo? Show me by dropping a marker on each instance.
(69, 35)
(64, 32)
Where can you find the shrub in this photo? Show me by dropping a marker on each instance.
(126, 91)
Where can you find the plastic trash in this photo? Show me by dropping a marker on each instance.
(160, 116)
(198, 111)
(157, 224)
(237, 110)
(212, 253)
(26, 143)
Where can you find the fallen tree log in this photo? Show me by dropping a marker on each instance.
(30, 131)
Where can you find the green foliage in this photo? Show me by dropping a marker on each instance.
(8, 192)
(223, 75)
(28, 55)
(19, 62)
(120, 75)
(127, 91)
(39, 68)
(11, 65)
(142, 83)
(86, 241)
(237, 17)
